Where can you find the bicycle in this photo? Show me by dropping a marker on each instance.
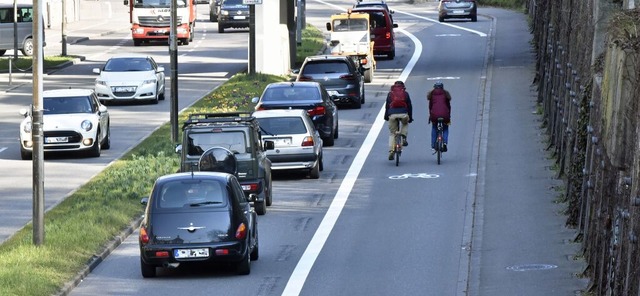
(397, 148)
(439, 139)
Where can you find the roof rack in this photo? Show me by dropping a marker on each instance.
(196, 118)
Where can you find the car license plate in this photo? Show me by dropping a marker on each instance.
(282, 141)
(56, 139)
(239, 17)
(332, 92)
(191, 253)
(458, 11)
(124, 89)
(161, 31)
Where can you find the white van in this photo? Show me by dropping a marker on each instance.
(25, 27)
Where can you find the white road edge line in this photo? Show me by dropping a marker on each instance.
(302, 269)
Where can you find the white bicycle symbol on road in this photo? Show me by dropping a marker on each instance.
(420, 175)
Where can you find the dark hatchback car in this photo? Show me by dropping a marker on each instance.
(310, 96)
(338, 74)
(382, 27)
(232, 14)
(458, 9)
(197, 218)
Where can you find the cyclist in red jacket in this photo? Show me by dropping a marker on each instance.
(398, 106)
(439, 106)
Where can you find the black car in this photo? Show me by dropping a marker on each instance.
(338, 74)
(374, 3)
(311, 96)
(232, 14)
(197, 218)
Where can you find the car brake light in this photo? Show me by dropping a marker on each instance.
(318, 110)
(388, 35)
(144, 237)
(162, 254)
(222, 252)
(250, 187)
(348, 77)
(364, 61)
(241, 232)
(304, 78)
(308, 141)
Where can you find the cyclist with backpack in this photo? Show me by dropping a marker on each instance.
(439, 107)
(398, 106)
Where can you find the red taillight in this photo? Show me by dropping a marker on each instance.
(259, 107)
(222, 252)
(250, 187)
(348, 77)
(388, 35)
(241, 233)
(144, 237)
(304, 78)
(364, 61)
(308, 141)
(162, 254)
(318, 110)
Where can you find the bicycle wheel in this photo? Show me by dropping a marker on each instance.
(398, 148)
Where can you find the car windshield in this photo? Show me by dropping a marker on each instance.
(291, 94)
(192, 193)
(282, 125)
(232, 2)
(345, 25)
(326, 67)
(157, 3)
(127, 65)
(198, 143)
(66, 105)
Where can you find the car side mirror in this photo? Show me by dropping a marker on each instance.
(395, 25)
(179, 148)
(24, 112)
(255, 100)
(144, 201)
(102, 108)
(96, 70)
(269, 145)
(328, 26)
(125, 2)
(160, 69)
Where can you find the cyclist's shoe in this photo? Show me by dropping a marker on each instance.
(433, 151)
(404, 141)
(391, 155)
(444, 147)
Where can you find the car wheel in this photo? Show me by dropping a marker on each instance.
(357, 104)
(474, 18)
(147, 270)
(368, 75)
(185, 41)
(392, 54)
(137, 42)
(321, 163)
(255, 254)
(362, 95)
(155, 99)
(244, 267)
(25, 154)
(220, 28)
(2, 51)
(191, 34)
(106, 143)
(261, 207)
(328, 141)
(27, 47)
(336, 131)
(269, 195)
(314, 173)
(441, 19)
(94, 151)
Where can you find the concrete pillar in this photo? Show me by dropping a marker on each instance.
(272, 38)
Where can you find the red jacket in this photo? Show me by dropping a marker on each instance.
(439, 105)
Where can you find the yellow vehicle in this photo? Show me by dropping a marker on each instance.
(350, 36)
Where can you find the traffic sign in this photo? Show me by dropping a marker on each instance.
(251, 2)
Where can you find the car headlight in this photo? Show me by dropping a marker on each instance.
(86, 125)
(101, 82)
(27, 127)
(149, 81)
(224, 12)
(181, 30)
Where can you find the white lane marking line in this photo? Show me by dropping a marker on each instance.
(443, 78)
(3, 149)
(448, 35)
(444, 24)
(302, 269)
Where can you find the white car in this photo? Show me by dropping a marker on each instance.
(130, 78)
(298, 145)
(73, 120)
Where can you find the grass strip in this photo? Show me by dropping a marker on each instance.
(24, 64)
(83, 224)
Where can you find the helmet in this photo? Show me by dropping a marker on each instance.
(399, 83)
(438, 85)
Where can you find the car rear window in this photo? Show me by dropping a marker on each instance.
(378, 20)
(283, 125)
(198, 143)
(193, 193)
(325, 67)
(66, 105)
(291, 93)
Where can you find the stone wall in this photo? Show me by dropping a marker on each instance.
(588, 70)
